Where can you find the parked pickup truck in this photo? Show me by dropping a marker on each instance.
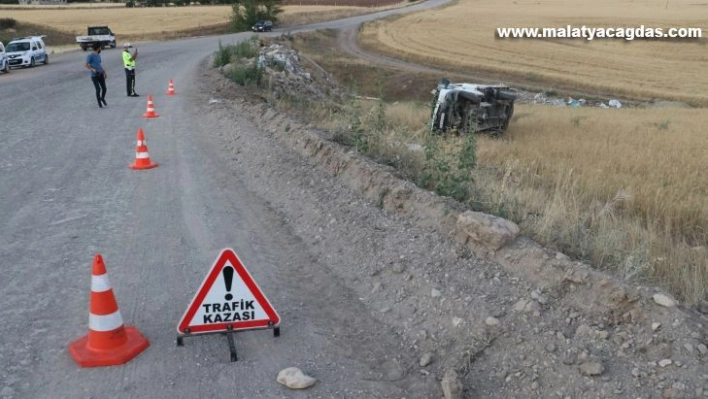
(97, 34)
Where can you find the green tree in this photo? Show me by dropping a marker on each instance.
(246, 12)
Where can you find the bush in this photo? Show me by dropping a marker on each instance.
(223, 56)
(7, 23)
(245, 49)
(247, 75)
(448, 172)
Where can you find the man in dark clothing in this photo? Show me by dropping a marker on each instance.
(98, 74)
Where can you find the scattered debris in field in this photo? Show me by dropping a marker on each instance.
(546, 99)
(614, 104)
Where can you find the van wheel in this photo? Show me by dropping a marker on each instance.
(46, 60)
(31, 65)
(510, 112)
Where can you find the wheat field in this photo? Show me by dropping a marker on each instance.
(155, 22)
(124, 21)
(624, 188)
(463, 35)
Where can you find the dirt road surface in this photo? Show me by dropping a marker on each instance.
(347, 41)
(363, 294)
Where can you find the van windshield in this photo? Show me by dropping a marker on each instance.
(12, 47)
(99, 31)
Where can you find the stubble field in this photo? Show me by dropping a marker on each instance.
(463, 35)
(122, 20)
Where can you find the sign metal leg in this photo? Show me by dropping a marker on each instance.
(232, 346)
(229, 337)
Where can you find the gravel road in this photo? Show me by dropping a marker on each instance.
(365, 296)
(66, 193)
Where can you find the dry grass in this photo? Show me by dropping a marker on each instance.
(389, 84)
(639, 69)
(410, 115)
(125, 22)
(622, 189)
(165, 23)
(54, 39)
(93, 6)
(340, 3)
(294, 15)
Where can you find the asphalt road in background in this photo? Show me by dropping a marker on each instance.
(66, 193)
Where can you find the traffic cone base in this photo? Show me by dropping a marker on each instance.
(84, 356)
(149, 165)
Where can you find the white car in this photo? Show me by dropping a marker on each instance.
(4, 66)
(27, 52)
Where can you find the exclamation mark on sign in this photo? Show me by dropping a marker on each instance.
(228, 279)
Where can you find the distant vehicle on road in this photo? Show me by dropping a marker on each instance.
(4, 65)
(262, 26)
(26, 52)
(97, 34)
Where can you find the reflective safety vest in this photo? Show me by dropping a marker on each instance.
(128, 60)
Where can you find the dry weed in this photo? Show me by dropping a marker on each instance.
(125, 21)
(620, 192)
(156, 23)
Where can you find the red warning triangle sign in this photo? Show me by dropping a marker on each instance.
(228, 298)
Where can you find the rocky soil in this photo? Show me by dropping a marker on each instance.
(484, 312)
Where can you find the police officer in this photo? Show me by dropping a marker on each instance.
(129, 64)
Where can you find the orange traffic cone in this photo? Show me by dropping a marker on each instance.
(171, 89)
(150, 113)
(142, 157)
(108, 342)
